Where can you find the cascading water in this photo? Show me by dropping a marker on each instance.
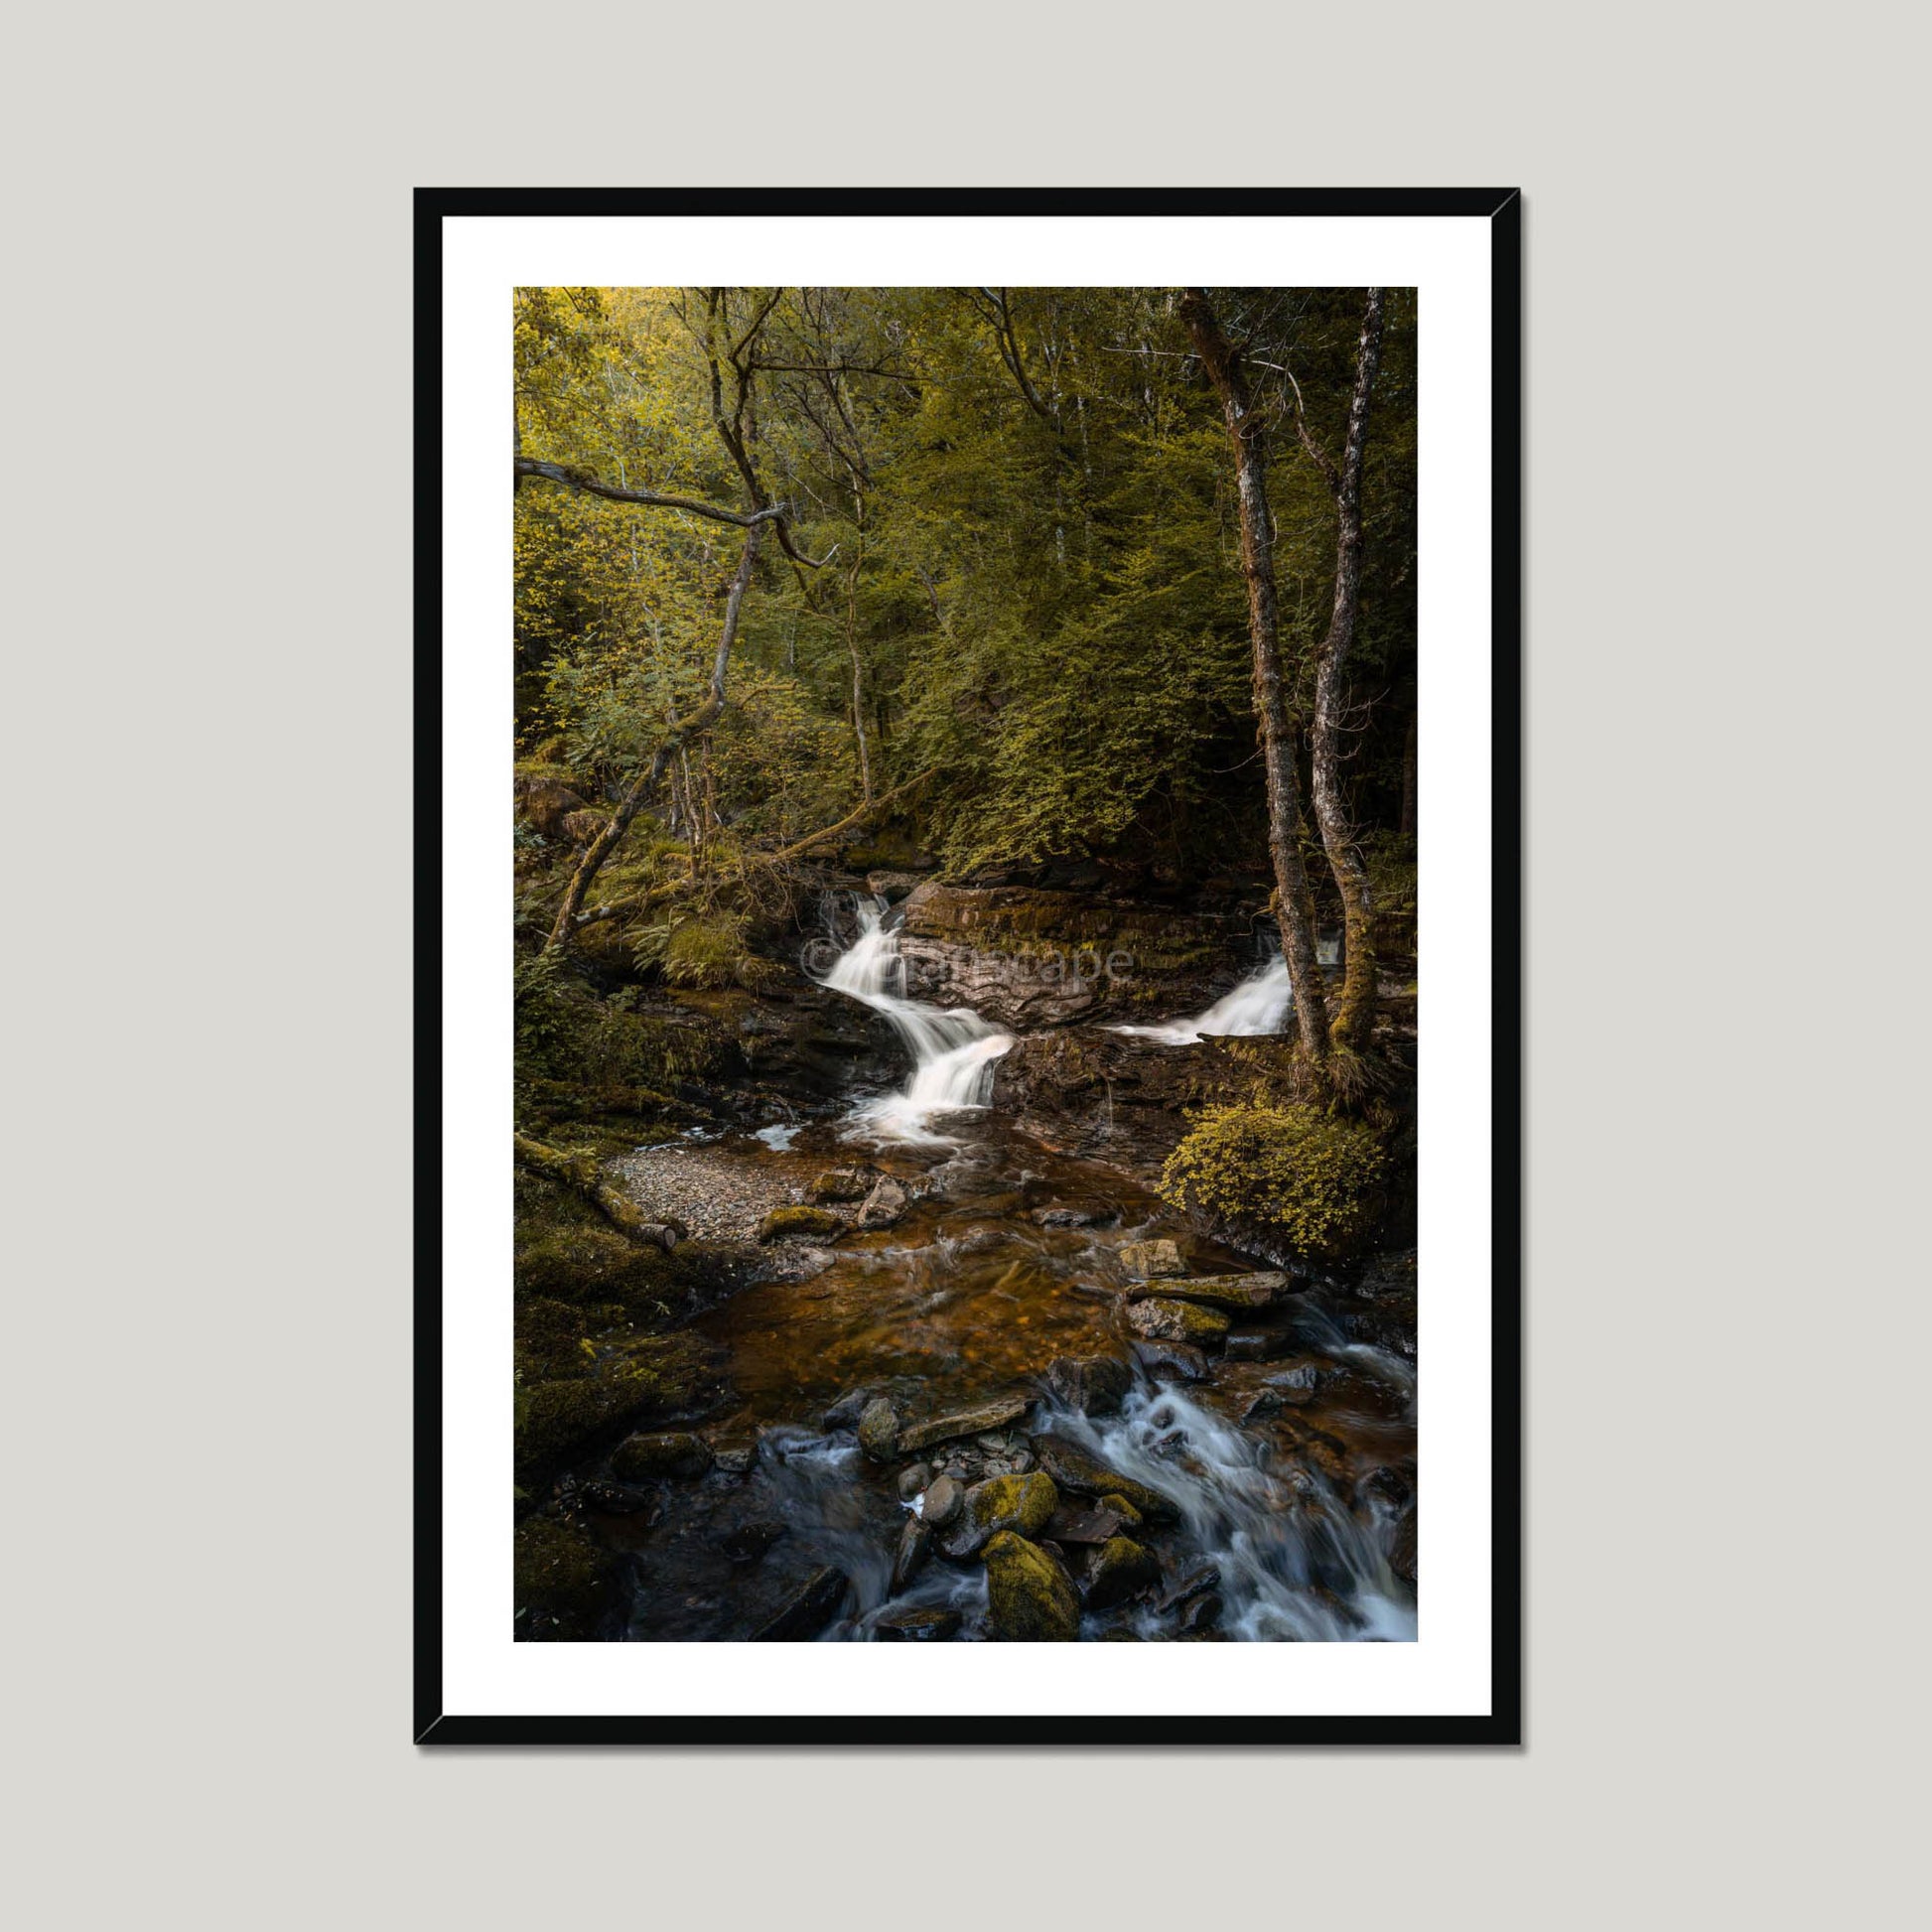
(1258, 1005)
(953, 1049)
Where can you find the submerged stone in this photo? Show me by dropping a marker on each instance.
(1029, 1597)
(1142, 1259)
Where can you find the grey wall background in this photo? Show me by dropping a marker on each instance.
(208, 407)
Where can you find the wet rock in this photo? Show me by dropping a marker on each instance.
(735, 1455)
(1257, 1344)
(1203, 1612)
(1077, 1214)
(943, 1502)
(1072, 1468)
(913, 1480)
(1095, 1385)
(841, 1184)
(884, 1205)
(892, 887)
(1264, 1408)
(783, 1221)
(963, 1423)
(1173, 1360)
(906, 1624)
(1236, 1291)
(846, 1411)
(1070, 1524)
(1193, 1582)
(1177, 1322)
(1402, 1554)
(1296, 1386)
(1023, 1503)
(914, 1545)
(656, 1459)
(1029, 1597)
(810, 1608)
(1146, 1258)
(749, 1541)
(878, 1430)
(1120, 1568)
(1130, 1517)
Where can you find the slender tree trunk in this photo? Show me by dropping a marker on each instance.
(1293, 901)
(851, 646)
(644, 788)
(1355, 1015)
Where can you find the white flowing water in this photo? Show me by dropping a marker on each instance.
(1257, 1006)
(952, 1048)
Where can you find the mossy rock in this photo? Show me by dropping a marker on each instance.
(1029, 1597)
(841, 1184)
(563, 1583)
(782, 1222)
(1012, 1503)
(561, 1420)
(1120, 1568)
(1289, 1172)
(675, 1454)
(1162, 1321)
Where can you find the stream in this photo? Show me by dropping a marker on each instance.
(1289, 1470)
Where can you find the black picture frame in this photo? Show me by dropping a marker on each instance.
(1502, 1726)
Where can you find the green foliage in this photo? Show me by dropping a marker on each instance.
(1033, 598)
(1284, 1171)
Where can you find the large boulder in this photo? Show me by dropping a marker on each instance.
(1029, 1597)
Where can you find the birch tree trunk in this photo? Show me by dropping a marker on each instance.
(1355, 1013)
(1293, 901)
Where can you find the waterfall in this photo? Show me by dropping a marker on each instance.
(1257, 1006)
(953, 1049)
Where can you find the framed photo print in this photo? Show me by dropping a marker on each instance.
(968, 980)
